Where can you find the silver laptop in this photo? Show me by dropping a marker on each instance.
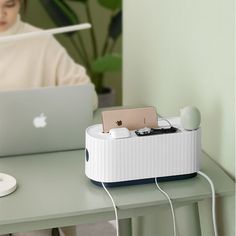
(45, 119)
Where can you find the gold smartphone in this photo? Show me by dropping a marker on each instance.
(132, 119)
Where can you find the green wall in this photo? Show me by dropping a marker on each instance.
(37, 16)
(178, 53)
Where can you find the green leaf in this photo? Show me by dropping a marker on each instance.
(60, 12)
(115, 27)
(111, 4)
(110, 62)
(82, 1)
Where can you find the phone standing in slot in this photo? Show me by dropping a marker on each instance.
(132, 119)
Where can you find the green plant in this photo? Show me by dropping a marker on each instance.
(99, 61)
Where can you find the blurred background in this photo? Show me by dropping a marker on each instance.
(43, 14)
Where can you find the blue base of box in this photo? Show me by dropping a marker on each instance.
(146, 181)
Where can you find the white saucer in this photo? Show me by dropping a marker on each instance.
(7, 184)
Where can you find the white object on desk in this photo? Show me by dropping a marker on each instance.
(136, 158)
(119, 133)
(7, 184)
(190, 118)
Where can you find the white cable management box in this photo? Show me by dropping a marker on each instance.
(138, 159)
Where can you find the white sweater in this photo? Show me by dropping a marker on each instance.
(37, 62)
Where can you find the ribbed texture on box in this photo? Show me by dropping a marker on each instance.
(115, 160)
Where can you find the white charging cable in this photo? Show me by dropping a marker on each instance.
(171, 206)
(162, 118)
(115, 208)
(213, 201)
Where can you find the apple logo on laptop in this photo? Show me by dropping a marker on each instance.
(119, 122)
(40, 121)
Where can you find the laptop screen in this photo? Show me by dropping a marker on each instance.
(45, 119)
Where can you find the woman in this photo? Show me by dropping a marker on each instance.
(35, 62)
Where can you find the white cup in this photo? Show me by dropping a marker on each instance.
(190, 118)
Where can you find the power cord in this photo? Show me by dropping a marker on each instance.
(213, 201)
(162, 118)
(171, 206)
(115, 208)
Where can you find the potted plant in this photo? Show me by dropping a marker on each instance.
(97, 61)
